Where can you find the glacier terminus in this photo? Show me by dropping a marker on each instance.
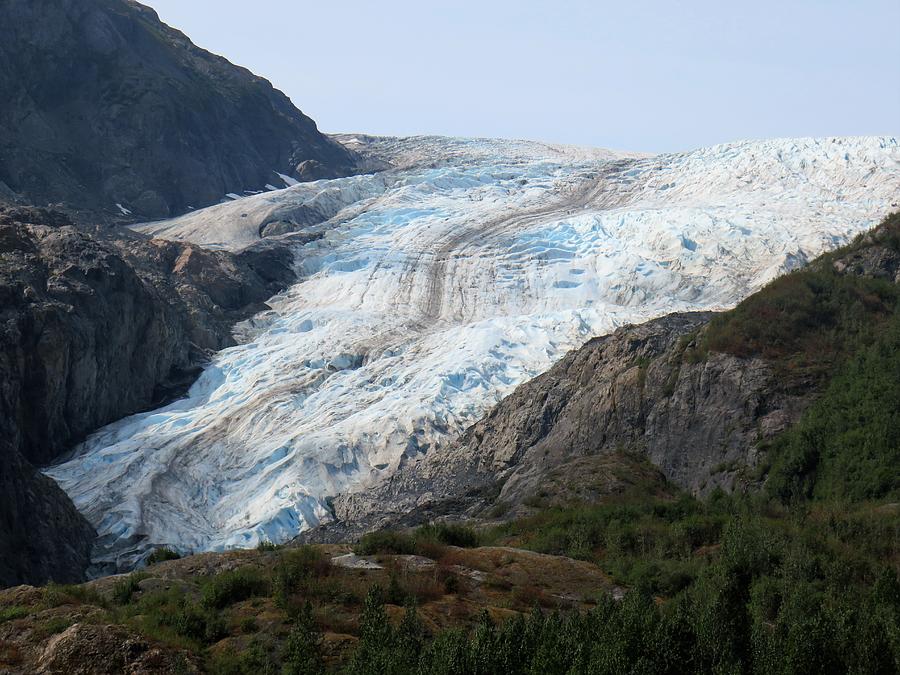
(428, 290)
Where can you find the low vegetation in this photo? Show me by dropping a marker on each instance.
(810, 320)
(162, 554)
(736, 584)
(13, 612)
(428, 540)
(746, 584)
(847, 444)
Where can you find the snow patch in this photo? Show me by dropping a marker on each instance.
(288, 181)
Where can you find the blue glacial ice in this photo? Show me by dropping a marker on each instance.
(436, 288)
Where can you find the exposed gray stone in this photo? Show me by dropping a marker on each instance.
(103, 104)
(90, 331)
(631, 391)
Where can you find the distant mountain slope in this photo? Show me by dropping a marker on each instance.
(103, 105)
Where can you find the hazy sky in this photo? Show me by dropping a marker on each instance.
(652, 75)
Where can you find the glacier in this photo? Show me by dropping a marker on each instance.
(430, 290)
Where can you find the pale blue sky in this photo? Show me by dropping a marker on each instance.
(650, 76)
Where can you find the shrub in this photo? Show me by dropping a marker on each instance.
(422, 588)
(427, 540)
(396, 594)
(847, 444)
(162, 554)
(376, 651)
(200, 624)
(12, 613)
(54, 595)
(451, 535)
(410, 639)
(53, 626)
(226, 588)
(385, 541)
(297, 568)
(303, 650)
(256, 659)
(127, 587)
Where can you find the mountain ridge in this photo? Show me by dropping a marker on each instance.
(156, 125)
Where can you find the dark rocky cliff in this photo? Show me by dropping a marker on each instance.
(90, 331)
(103, 104)
(42, 535)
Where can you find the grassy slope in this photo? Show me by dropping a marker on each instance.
(240, 612)
(733, 584)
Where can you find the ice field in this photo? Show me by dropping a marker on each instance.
(433, 289)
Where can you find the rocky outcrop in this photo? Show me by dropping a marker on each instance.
(700, 395)
(85, 339)
(108, 650)
(210, 290)
(90, 331)
(634, 391)
(104, 105)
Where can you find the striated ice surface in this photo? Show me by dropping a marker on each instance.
(436, 287)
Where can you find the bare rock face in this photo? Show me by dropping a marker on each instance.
(42, 535)
(108, 650)
(655, 391)
(91, 331)
(209, 289)
(635, 391)
(85, 340)
(104, 104)
(630, 392)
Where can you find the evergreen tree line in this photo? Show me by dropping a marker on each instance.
(749, 613)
